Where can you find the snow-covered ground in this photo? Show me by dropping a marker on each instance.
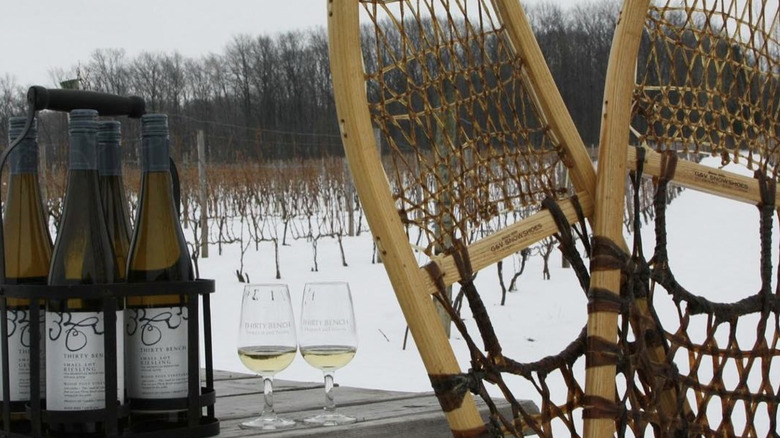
(713, 247)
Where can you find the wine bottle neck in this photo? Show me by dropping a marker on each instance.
(83, 151)
(109, 159)
(155, 154)
(24, 158)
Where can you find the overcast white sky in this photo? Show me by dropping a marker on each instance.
(39, 35)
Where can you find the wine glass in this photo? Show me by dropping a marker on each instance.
(266, 343)
(328, 339)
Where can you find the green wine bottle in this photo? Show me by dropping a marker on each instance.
(156, 336)
(112, 192)
(28, 251)
(83, 254)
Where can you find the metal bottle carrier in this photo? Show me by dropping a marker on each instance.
(199, 397)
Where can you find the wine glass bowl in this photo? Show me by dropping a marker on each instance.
(328, 357)
(328, 339)
(266, 360)
(267, 343)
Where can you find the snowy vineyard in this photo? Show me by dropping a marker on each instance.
(263, 206)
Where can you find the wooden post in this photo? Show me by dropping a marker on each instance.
(564, 174)
(203, 197)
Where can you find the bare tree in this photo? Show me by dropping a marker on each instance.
(106, 71)
(11, 103)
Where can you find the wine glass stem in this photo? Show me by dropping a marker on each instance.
(268, 396)
(330, 402)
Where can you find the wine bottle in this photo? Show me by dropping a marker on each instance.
(83, 254)
(156, 336)
(28, 249)
(112, 192)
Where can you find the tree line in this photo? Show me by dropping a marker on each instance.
(270, 97)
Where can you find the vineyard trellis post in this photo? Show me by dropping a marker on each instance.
(564, 175)
(349, 199)
(203, 196)
(378, 139)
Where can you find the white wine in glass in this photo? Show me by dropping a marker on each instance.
(267, 343)
(328, 339)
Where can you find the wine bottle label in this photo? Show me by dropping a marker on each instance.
(19, 354)
(75, 371)
(157, 352)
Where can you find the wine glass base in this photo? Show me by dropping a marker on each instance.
(329, 420)
(267, 423)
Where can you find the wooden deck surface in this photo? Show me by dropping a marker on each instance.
(379, 413)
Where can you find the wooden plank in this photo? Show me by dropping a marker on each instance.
(227, 375)
(419, 415)
(303, 399)
(371, 415)
(254, 385)
(379, 413)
